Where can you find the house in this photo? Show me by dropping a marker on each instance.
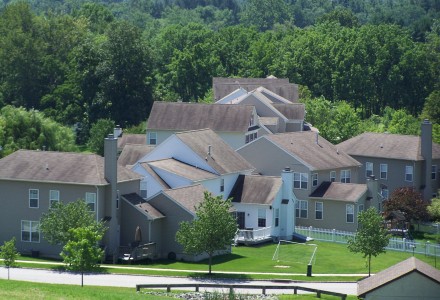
(30, 181)
(280, 86)
(398, 160)
(236, 124)
(409, 279)
(325, 180)
(131, 153)
(275, 113)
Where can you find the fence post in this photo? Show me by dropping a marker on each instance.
(427, 248)
(310, 231)
(404, 244)
(333, 234)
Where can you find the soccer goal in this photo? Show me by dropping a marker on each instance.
(288, 252)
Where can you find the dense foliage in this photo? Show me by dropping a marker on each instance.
(409, 202)
(80, 61)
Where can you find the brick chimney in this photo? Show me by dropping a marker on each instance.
(426, 152)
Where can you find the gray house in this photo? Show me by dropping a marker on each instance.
(30, 181)
(398, 160)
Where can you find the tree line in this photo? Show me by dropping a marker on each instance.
(94, 61)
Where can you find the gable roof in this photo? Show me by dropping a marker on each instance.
(280, 86)
(182, 116)
(181, 169)
(222, 157)
(139, 139)
(350, 192)
(153, 174)
(145, 207)
(188, 197)
(254, 189)
(318, 156)
(395, 272)
(292, 111)
(60, 167)
(131, 153)
(386, 145)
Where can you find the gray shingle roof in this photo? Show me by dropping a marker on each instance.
(139, 139)
(350, 192)
(223, 158)
(131, 153)
(154, 175)
(181, 116)
(181, 169)
(395, 272)
(294, 111)
(254, 189)
(318, 156)
(189, 197)
(62, 167)
(137, 201)
(394, 146)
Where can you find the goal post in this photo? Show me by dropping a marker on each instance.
(290, 253)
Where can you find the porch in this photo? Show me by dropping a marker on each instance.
(250, 236)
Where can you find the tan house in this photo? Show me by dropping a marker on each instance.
(325, 179)
(409, 279)
(398, 160)
(235, 124)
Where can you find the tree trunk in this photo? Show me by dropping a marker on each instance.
(8, 272)
(210, 263)
(82, 278)
(369, 265)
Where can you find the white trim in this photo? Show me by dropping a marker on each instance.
(37, 198)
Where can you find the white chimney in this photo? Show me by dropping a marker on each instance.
(117, 131)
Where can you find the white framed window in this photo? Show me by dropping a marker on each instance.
(433, 172)
(332, 176)
(143, 188)
(368, 169)
(261, 217)
(152, 138)
(349, 211)
(276, 213)
(319, 207)
(345, 176)
(250, 137)
(409, 173)
(91, 201)
(300, 180)
(222, 185)
(384, 191)
(30, 231)
(34, 198)
(360, 208)
(301, 209)
(54, 197)
(383, 171)
(315, 179)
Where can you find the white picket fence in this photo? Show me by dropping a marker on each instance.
(396, 243)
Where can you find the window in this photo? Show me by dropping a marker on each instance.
(360, 208)
(30, 231)
(383, 171)
(277, 217)
(315, 179)
(33, 198)
(349, 210)
(54, 197)
(368, 169)
(408, 173)
(250, 137)
(434, 172)
(152, 138)
(261, 217)
(384, 192)
(222, 185)
(318, 210)
(301, 209)
(91, 200)
(345, 176)
(332, 176)
(300, 180)
(143, 188)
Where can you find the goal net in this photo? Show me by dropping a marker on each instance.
(288, 252)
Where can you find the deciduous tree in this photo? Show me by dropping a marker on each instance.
(408, 201)
(9, 254)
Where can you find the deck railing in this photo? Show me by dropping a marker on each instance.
(253, 235)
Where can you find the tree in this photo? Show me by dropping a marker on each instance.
(82, 252)
(434, 209)
(409, 202)
(57, 223)
(9, 253)
(265, 14)
(98, 132)
(371, 237)
(213, 228)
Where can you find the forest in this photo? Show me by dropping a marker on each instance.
(366, 65)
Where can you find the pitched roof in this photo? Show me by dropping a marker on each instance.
(293, 111)
(394, 146)
(395, 272)
(222, 157)
(131, 153)
(181, 116)
(254, 189)
(318, 156)
(181, 169)
(154, 175)
(137, 201)
(62, 167)
(189, 197)
(280, 86)
(139, 139)
(350, 192)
